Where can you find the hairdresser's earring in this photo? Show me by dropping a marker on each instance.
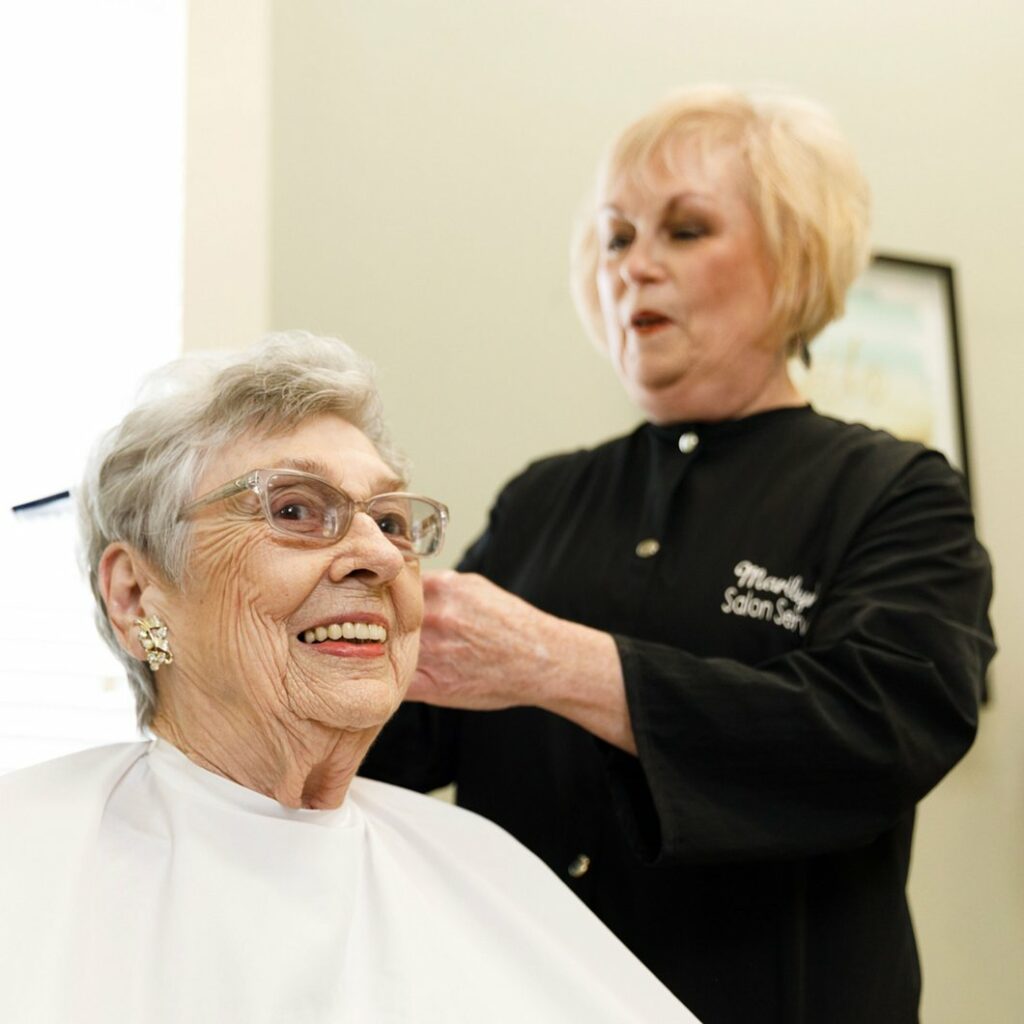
(153, 634)
(804, 351)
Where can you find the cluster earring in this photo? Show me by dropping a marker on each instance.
(153, 635)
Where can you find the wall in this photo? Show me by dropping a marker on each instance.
(425, 161)
(227, 174)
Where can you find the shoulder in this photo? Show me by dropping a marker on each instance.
(75, 764)
(49, 816)
(401, 809)
(66, 780)
(527, 927)
(436, 832)
(564, 470)
(526, 503)
(815, 429)
(857, 458)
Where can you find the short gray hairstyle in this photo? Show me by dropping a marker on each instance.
(143, 471)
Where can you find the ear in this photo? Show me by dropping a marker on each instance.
(124, 574)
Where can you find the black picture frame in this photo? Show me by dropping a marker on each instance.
(893, 360)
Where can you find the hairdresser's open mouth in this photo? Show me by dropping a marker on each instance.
(646, 320)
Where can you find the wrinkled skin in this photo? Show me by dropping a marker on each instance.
(245, 696)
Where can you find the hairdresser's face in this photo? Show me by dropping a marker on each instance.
(686, 290)
(251, 594)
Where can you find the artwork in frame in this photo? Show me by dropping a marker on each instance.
(893, 359)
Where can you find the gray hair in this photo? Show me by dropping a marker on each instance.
(142, 472)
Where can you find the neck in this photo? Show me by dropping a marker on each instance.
(298, 763)
(716, 402)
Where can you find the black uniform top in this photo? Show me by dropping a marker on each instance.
(803, 656)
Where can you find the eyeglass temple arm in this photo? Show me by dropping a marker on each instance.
(243, 483)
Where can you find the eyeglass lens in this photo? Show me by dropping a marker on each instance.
(311, 508)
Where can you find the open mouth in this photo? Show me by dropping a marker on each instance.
(646, 320)
(350, 632)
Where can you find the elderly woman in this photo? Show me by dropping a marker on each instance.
(736, 647)
(255, 562)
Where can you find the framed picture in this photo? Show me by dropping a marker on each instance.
(893, 360)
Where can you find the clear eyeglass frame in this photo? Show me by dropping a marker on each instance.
(305, 506)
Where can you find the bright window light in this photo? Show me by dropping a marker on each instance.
(91, 202)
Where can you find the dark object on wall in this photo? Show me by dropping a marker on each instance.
(893, 360)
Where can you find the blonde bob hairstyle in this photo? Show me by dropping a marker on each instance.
(802, 183)
(143, 471)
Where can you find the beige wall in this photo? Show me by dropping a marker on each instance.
(226, 299)
(419, 165)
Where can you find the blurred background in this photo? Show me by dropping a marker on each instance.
(404, 174)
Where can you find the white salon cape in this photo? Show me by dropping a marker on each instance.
(136, 886)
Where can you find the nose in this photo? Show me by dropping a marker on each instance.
(365, 553)
(641, 264)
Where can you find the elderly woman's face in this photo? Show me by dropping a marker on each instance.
(686, 289)
(250, 594)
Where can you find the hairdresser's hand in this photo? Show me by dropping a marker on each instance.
(483, 649)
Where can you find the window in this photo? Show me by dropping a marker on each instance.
(91, 199)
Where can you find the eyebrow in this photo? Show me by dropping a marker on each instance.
(314, 466)
(679, 197)
(318, 468)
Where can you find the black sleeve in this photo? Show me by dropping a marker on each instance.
(828, 745)
(419, 746)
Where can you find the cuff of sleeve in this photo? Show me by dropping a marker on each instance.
(632, 797)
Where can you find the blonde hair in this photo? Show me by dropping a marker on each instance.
(803, 186)
(142, 472)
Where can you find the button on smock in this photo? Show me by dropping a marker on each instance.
(688, 441)
(647, 548)
(579, 867)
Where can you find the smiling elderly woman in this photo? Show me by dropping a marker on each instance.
(255, 562)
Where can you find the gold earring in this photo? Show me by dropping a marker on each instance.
(153, 634)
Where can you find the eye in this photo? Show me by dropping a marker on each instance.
(397, 529)
(395, 517)
(686, 232)
(294, 512)
(393, 524)
(618, 242)
(614, 234)
(299, 509)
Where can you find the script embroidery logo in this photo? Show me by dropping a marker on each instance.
(780, 600)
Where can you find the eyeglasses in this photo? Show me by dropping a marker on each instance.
(306, 506)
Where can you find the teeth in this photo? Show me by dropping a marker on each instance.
(346, 631)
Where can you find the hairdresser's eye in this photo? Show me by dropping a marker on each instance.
(686, 232)
(616, 236)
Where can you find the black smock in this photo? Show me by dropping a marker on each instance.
(803, 650)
